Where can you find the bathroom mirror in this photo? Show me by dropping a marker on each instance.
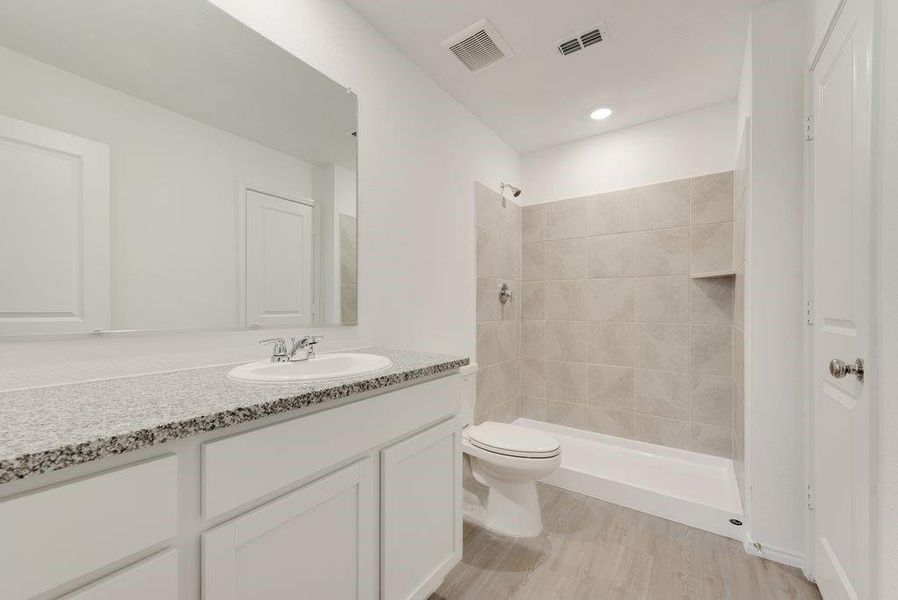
(163, 166)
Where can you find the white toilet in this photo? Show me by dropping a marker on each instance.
(508, 460)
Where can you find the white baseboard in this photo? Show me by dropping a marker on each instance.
(786, 557)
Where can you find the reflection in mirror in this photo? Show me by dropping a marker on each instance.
(162, 166)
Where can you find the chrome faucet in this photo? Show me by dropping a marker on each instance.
(280, 353)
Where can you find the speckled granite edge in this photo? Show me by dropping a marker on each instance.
(30, 464)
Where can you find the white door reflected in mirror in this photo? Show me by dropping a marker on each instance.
(279, 255)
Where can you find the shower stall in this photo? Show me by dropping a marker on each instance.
(623, 340)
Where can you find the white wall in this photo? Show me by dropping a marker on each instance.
(173, 239)
(420, 152)
(743, 100)
(694, 143)
(886, 336)
(775, 426)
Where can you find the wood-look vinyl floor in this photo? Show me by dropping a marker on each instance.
(591, 549)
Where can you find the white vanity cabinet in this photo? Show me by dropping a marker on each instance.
(320, 540)
(358, 501)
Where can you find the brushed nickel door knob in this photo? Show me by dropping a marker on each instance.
(838, 368)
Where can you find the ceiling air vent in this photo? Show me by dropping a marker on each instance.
(478, 46)
(590, 37)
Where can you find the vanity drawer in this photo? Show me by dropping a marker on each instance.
(154, 578)
(55, 535)
(247, 466)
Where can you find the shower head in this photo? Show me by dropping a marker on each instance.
(515, 192)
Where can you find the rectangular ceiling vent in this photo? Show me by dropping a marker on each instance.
(478, 46)
(590, 37)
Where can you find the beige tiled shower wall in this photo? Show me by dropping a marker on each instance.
(498, 325)
(616, 337)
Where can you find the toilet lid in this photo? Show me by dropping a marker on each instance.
(512, 440)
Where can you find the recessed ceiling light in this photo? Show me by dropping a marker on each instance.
(600, 113)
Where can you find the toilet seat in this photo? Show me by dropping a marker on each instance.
(510, 440)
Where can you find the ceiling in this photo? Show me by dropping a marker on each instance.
(190, 57)
(662, 57)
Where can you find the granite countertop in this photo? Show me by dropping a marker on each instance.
(50, 428)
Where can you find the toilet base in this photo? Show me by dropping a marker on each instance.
(510, 509)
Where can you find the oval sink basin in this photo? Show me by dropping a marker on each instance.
(320, 368)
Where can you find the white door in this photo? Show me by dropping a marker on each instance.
(316, 542)
(54, 231)
(421, 515)
(842, 280)
(279, 252)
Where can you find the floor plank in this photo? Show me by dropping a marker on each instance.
(595, 550)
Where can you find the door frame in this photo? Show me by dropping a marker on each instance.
(808, 362)
(242, 188)
(872, 359)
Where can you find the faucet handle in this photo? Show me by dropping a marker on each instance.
(311, 340)
(306, 340)
(280, 347)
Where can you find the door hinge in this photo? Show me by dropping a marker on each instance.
(809, 128)
(809, 312)
(810, 497)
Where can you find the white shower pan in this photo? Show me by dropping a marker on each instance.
(695, 489)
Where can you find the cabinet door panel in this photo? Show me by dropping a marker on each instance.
(315, 542)
(421, 519)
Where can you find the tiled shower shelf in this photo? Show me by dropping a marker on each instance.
(713, 274)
